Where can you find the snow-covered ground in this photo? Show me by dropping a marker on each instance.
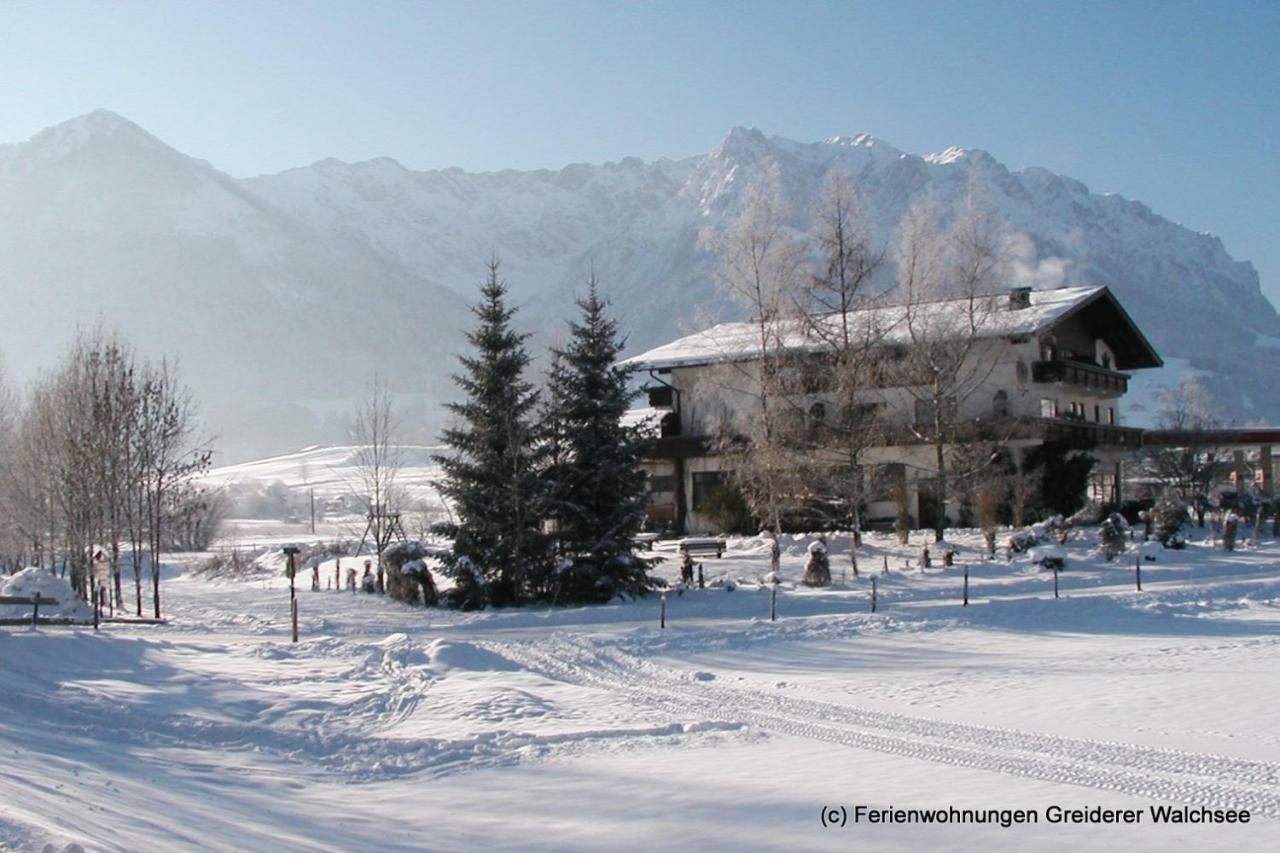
(393, 728)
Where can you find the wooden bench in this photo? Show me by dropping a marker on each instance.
(701, 546)
(33, 603)
(644, 541)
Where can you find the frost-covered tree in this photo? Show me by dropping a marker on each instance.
(378, 460)
(946, 363)
(500, 554)
(595, 486)
(760, 269)
(835, 315)
(1191, 468)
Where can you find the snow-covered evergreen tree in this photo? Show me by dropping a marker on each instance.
(595, 486)
(500, 554)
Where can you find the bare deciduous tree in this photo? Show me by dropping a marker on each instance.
(837, 315)
(1195, 465)
(378, 461)
(760, 268)
(948, 358)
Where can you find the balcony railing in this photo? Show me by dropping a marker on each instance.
(1089, 432)
(1080, 374)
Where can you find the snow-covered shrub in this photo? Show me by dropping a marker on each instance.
(32, 581)
(946, 550)
(1230, 527)
(1170, 519)
(408, 578)
(1111, 535)
(1021, 541)
(1050, 556)
(236, 563)
(1090, 513)
(817, 570)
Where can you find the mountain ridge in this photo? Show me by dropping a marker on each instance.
(318, 275)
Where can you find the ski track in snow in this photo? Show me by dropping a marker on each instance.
(1195, 779)
(332, 735)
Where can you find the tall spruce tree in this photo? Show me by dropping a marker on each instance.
(595, 486)
(500, 555)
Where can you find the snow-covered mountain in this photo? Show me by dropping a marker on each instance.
(289, 289)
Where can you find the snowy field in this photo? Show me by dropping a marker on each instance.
(392, 728)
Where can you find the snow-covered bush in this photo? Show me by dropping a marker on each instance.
(1090, 513)
(1230, 527)
(1111, 535)
(32, 581)
(1170, 519)
(1021, 541)
(408, 578)
(817, 570)
(1050, 556)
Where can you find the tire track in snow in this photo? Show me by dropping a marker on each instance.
(1197, 779)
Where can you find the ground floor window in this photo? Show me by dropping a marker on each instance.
(705, 484)
(1102, 488)
(661, 483)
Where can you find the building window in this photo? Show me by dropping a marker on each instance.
(1106, 360)
(1097, 414)
(1102, 488)
(1022, 373)
(925, 411)
(1048, 407)
(1111, 415)
(662, 483)
(1000, 404)
(706, 484)
(661, 397)
(817, 415)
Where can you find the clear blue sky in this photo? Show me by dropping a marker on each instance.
(1173, 103)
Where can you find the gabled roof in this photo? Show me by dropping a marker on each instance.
(739, 341)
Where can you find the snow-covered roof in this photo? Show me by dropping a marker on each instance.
(739, 341)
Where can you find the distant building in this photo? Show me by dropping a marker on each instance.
(1054, 364)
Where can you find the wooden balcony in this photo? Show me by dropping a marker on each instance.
(1092, 434)
(1081, 375)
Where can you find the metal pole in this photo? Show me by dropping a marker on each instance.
(1137, 570)
(966, 586)
(773, 602)
(885, 570)
(662, 619)
(873, 595)
(1055, 581)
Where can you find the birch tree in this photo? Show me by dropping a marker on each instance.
(947, 359)
(379, 458)
(760, 269)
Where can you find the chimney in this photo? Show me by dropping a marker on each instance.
(1019, 298)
